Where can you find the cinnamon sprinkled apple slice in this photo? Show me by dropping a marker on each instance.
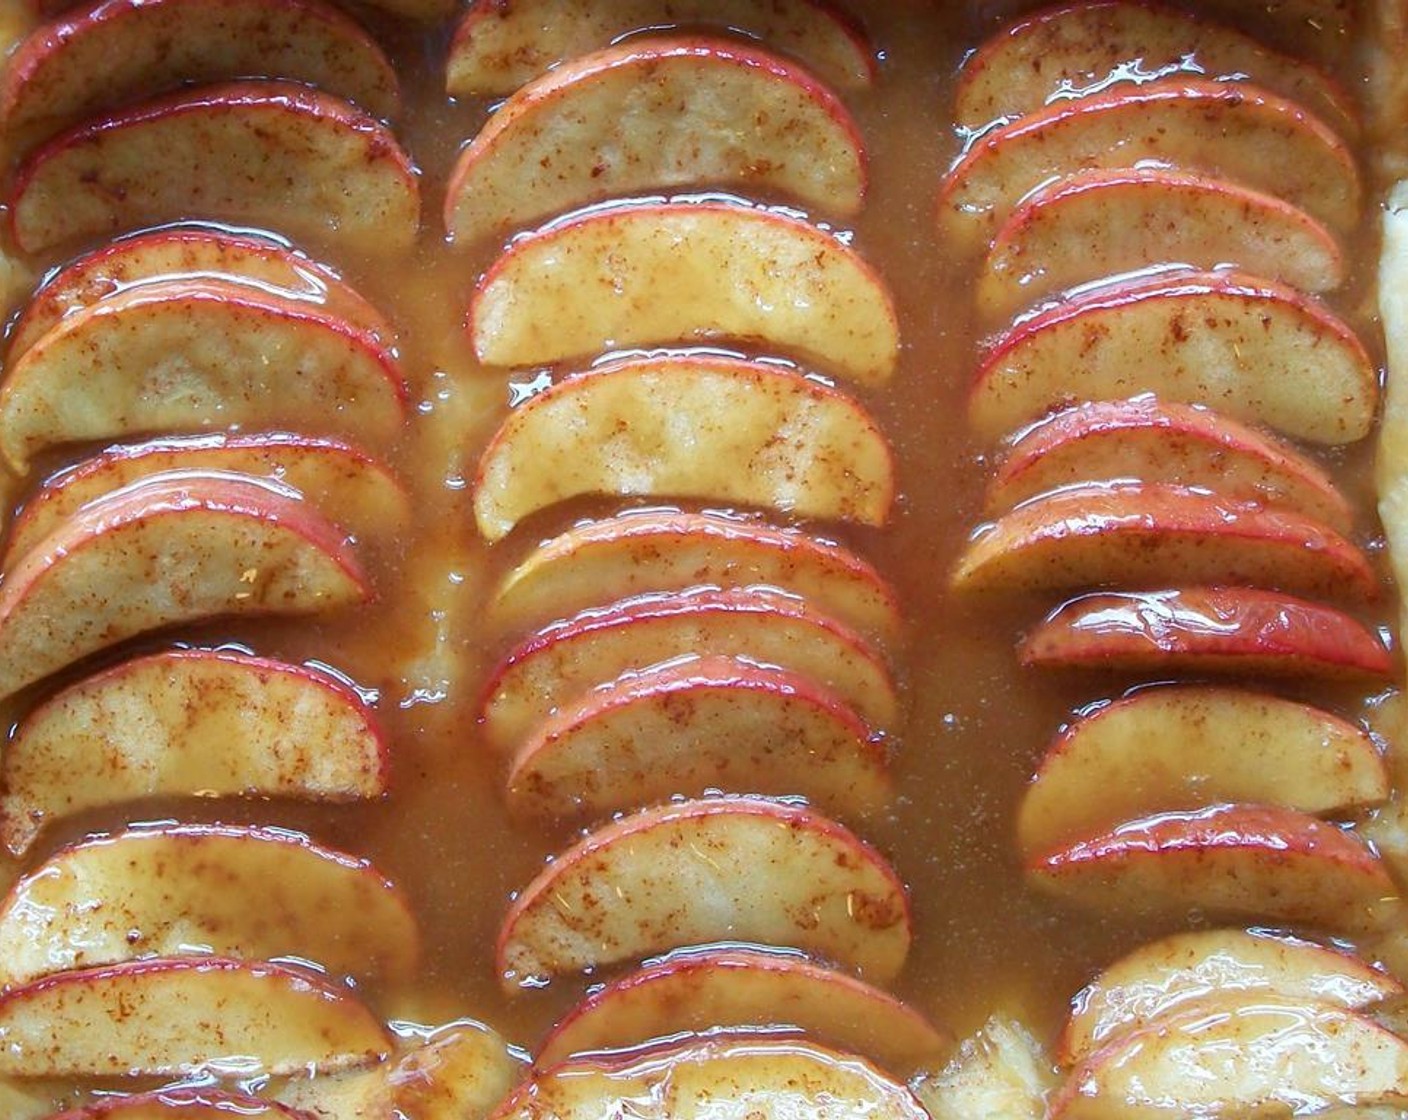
(181, 1104)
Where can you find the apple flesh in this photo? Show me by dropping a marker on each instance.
(727, 990)
(655, 114)
(694, 872)
(496, 49)
(1251, 348)
(182, 1104)
(1002, 1070)
(189, 723)
(265, 152)
(1180, 748)
(712, 428)
(711, 723)
(561, 663)
(631, 276)
(1153, 440)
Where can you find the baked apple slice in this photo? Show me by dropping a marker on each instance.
(189, 723)
(1257, 350)
(1206, 630)
(688, 426)
(650, 551)
(686, 272)
(1083, 227)
(747, 990)
(168, 551)
(174, 1016)
(764, 1079)
(710, 723)
(1260, 862)
(1184, 747)
(1165, 975)
(235, 891)
(693, 872)
(1158, 533)
(181, 1104)
(1076, 47)
(266, 152)
(496, 49)
(344, 483)
(563, 662)
(1159, 441)
(650, 115)
(118, 51)
(194, 353)
(1235, 130)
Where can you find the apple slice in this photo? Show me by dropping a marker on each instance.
(723, 869)
(1263, 862)
(1249, 347)
(648, 115)
(265, 152)
(189, 723)
(1222, 1056)
(743, 989)
(173, 1016)
(1098, 223)
(561, 663)
(650, 551)
(712, 723)
(1158, 533)
(1207, 630)
(195, 353)
(1235, 130)
(688, 426)
(1158, 441)
(647, 274)
(1076, 48)
(1002, 1070)
(763, 1079)
(119, 50)
(1185, 747)
(182, 1104)
(496, 49)
(1165, 975)
(234, 891)
(165, 254)
(165, 552)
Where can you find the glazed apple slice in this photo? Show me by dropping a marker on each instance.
(711, 723)
(561, 663)
(1001, 1070)
(181, 1104)
(645, 275)
(693, 872)
(162, 553)
(189, 353)
(1206, 630)
(172, 1016)
(747, 990)
(650, 115)
(1261, 862)
(118, 51)
(345, 484)
(1181, 748)
(189, 723)
(650, 551)
(1222, 1056)
(235, 891)
(496, 49)
(1245, 346)
(1158, 441)
(1093, 224)
(1232, 129)
(197, 251)
(270, 153)
(688, 426)
(1158, 533)
(1076, 47)
(770, 1079)
(1165, 975)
